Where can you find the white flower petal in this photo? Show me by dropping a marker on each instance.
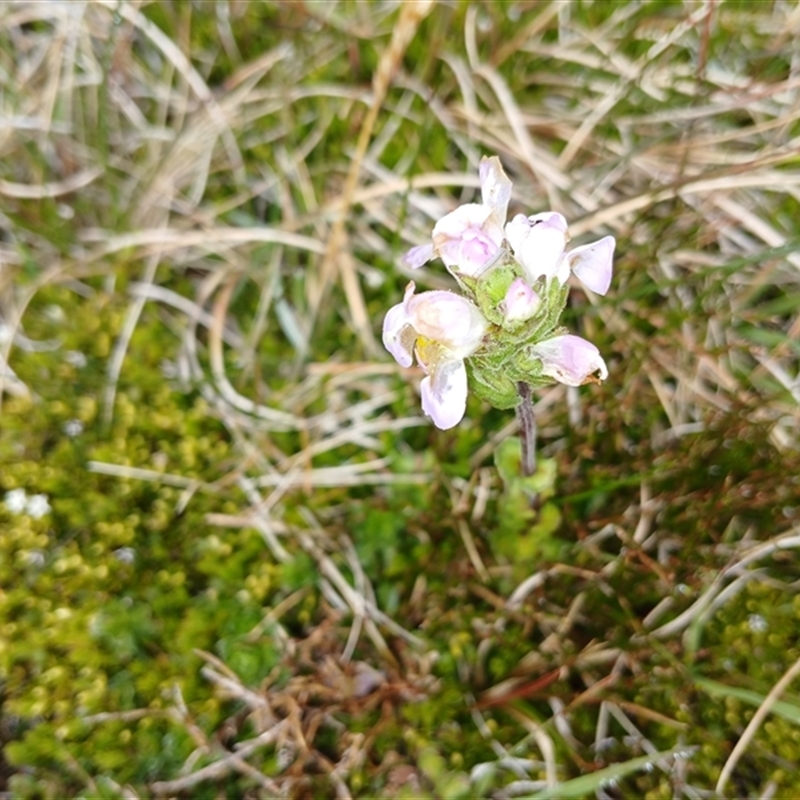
(538, 243)
(444, 394)
(417, 256)
(395, 324)
(495, 187)
(592, 264)
(453, 225)
(37, 506)
(551, 218)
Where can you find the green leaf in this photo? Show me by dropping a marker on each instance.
(508, 459)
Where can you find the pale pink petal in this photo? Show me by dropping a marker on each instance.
(495, 187)
(444, 394)
(570, 359)
(453, 225)
(592, 264)
(517, 232)
(417, 256)
(470, 253)
(550, 218)
(520, 302)
(538, 243)
(398, 335)
(448, 318)
(468, 238)
(394, 324)
(562, 271)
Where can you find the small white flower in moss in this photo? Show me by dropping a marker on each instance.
(73, 428)
(18, 502)
(76, 358)
(37, 506)
(15, 500)
(35, 558)
(440, 329)
(125, 555)
(757, 623)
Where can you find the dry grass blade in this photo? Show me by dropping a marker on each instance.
(225, 765)
(74, 183)
(187, 70)
(737, 569)
(412, 12)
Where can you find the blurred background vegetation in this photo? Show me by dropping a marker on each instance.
(236, 560)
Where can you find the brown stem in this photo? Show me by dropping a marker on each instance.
(527, 429)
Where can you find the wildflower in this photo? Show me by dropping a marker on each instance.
(35, 558)
(513, 279)
(76, 358)
(441, 329)
(757, 623)
(468, 238)
(471, 237)
(125, 555)
(570, 359)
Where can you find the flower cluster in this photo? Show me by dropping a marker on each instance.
(513, 279)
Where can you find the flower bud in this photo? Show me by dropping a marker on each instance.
(520, 302)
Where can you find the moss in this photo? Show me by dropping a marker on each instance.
(108, 595)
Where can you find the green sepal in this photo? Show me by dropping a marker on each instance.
(556, 301)
(507, 355)
(492, 385)
(468, 285)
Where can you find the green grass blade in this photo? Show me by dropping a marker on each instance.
(588, 784)
(788, 711)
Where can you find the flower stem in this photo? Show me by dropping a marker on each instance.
(527, 429)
